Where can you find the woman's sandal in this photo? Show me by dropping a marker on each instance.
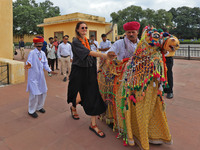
(74, 116)
(91, 127)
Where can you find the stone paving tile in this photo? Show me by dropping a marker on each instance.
(3, 146)
(34, 138)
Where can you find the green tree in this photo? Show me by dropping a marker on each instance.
(128, 14)
(162, 18)
(146, 17)
(27, 14)
(186, 22)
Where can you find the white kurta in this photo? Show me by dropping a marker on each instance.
(121, 50)
(36, 80)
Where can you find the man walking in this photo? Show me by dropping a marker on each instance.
(65, 55)
(21, 47)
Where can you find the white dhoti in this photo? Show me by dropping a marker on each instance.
(36, 102)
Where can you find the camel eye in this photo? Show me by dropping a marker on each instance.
(156, 36)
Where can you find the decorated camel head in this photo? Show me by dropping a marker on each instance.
(159, 40)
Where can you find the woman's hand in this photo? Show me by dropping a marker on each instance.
(111, 55)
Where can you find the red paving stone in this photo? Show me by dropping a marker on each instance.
(56, 130)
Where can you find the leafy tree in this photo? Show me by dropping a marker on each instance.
(146, 17)
(186, 22)
(128, 14)
(27, 14)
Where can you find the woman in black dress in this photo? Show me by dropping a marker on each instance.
(83, 79)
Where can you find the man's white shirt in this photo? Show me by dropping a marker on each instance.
(65, 50)
(120, 49)
(106, 44)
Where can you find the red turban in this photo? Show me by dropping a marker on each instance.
(38, 39)
(131, 26)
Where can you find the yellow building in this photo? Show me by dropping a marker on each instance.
(6, 29)
(16, 68)
(113, 32)
(27, 38)
(65, 25)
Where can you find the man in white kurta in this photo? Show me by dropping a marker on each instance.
(36, 85)
(124, 48)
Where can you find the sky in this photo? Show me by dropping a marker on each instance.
(104, 8)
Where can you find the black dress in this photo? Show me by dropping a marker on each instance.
(83, 79)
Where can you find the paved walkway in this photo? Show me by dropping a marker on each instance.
(56, 130)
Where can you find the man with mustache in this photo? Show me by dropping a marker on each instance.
(124, 48)
(36, 85)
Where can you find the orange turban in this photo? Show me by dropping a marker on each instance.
(38, 39)
(131, 26)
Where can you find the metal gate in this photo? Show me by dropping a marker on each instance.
(4, 73)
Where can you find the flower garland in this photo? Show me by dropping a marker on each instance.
(85, 43)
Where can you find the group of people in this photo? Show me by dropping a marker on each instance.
(83, 71)
(62, 52)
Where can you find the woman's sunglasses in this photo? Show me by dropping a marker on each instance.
(84, 28)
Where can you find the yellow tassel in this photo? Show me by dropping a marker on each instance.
(164, 107)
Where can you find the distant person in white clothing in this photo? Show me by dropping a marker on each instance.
(65, 55)
(93, 44)
(105, 44)
(51, 54)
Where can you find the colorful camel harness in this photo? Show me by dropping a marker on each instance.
(126, 81)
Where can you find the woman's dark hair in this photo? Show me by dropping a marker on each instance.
(77, 27)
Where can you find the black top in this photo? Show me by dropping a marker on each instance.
(81, 56)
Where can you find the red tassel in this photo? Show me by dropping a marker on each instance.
(132, 98)
(145, 81)
(125, 143)
(125, 59)
(162, 79)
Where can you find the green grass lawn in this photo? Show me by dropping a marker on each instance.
(189, 41)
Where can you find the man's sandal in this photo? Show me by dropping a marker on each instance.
(74, 116)
(91, 127)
